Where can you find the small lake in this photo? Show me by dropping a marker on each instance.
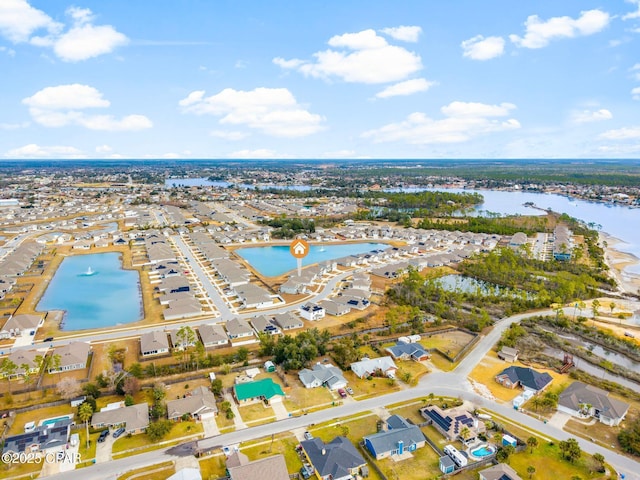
(276, 260)
(94, 292)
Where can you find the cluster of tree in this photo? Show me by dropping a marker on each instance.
(570, 449)
(629, 437)
(428, 295)
(345, 351)
(156, 396)
(157, 430)
(294, 353)
(489, 224)
(548, 282)
(285, 227)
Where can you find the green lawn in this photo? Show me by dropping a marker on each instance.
(363, 388)
(213, 467)
(352, 428)
(409, 411)
(424, 464)
(284, 446)
(180, 429)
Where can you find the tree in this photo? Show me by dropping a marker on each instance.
(612, 307)
(504, 453)
(531, 470)
(532, 442)
(570, 449)
(157, 430)
(28, 376)
(68, 388)
(54, 363)
(345, 352)
(85, 411)
(242, 354)
(136, 370)
(595, 306)
(216, 387)
(186, 338)
(629, 438)
(598, 459)
(8, 369)
(464, 433)
(131, 385)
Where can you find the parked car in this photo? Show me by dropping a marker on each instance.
(308, 436)
(629, 334)
(349, 390)
(342, 393)
(48, 339)
(118, 432)
(103, 435)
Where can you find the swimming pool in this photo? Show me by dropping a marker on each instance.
(483, 451)
(51, 421)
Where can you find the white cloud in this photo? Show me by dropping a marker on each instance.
(35, 151)
(9, 51)
(274, 111)
(18, 20)
(538, 33)
(403, 33)
(586, 116)
(64, 104)
(83, 40)
(339, 154)
(635, 14)
(258, 153)
(362, 57)
(481, 48)
(635, 93)
(229, 135)
(104, 149)
(636, 71)
(408, 87)
(625, 133)
(74, 96)
(463, 121)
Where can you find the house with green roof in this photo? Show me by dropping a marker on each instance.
(265, 390)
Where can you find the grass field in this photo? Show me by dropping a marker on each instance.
(256, 411)
(284, 446)
(213, 467)
(364, 388)
(423, 464)
(180, 429)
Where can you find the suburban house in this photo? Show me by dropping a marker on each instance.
(508, 354)
(154, 343)
(399, 437)
(213, 335)
(582, 400)
(408, 351)
(73, 356)
(265, 390)
(525, 378)
(446, 464)
(270, 468)
(41, 439)
(240, 332)
(288, 321)
(25, 357)
(312, 312)
(22, 324)
(336, 460)
(134, 418)
(200, 403)
(454, 423)
(334, 308)
(264, 324)
(322, 375)
(501, 471)
(371, 366)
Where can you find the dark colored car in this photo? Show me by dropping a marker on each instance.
(118, 432)
(342, 393)
(48, 339)
(103, 436)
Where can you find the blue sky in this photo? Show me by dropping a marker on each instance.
(331, 79)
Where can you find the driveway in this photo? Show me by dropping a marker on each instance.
(237, 419)
(103, 450)
(280, 410)
(210, 426)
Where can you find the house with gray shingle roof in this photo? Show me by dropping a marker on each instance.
(399, 437)
(322, 374)
(199, 403)
(582, 400)
(213, 335)
(73, 356)
(525, 378)
(336, 460)
(154, 343)
(134, 418)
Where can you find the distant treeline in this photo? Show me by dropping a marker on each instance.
(499, 226)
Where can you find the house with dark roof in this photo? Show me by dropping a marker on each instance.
(582, 400)
(336, 460)
(41, 439)
(265, 390)
(408, 351)
(525, 378)
(322, 374)
(399, 437)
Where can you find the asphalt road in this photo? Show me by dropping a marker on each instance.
(453, 384)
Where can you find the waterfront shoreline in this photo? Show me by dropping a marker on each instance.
(619, 261)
